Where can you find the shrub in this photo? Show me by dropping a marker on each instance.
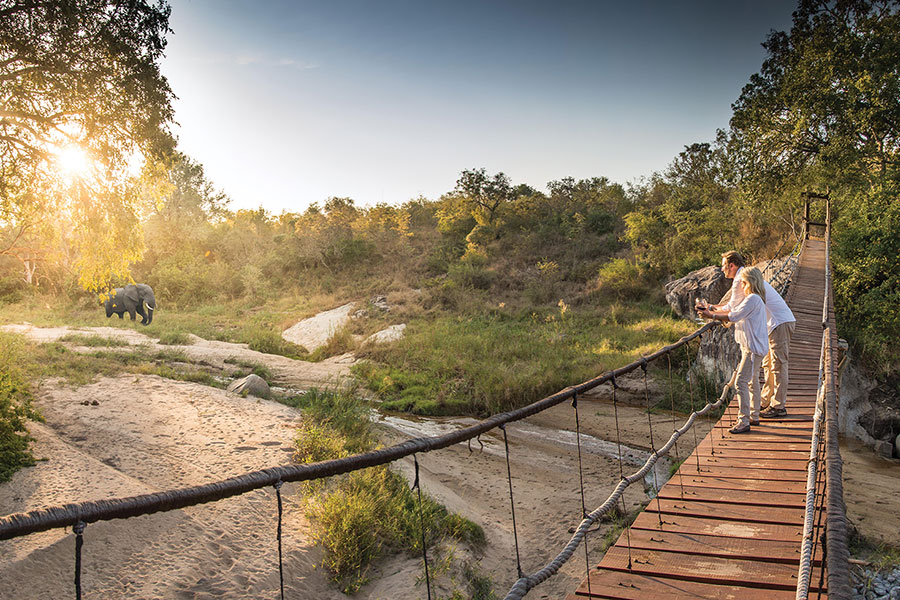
(358, 517)
(15, 407)
(622, 279)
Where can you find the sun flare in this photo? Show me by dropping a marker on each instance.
(73, 162)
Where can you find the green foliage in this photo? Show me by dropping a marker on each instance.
(867, 275)
(374, 511)
(175, 338)
(247, 367)
(15, 407)
(621, 279)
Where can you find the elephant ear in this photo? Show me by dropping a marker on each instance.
(131, 293)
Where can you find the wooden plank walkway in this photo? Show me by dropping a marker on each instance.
(733, 529)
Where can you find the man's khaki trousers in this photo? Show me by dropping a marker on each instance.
(775, 366)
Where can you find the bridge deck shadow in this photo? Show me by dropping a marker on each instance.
(733, 528)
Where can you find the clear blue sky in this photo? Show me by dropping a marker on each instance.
(286, 102)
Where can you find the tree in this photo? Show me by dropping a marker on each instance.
(826, 103)
(486, 194)
(80, 74)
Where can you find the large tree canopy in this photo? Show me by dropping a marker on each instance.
(826, 102)
(79, 74)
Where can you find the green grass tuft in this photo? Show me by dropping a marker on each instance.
(361, 516)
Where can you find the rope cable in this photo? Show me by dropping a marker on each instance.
(418, 487)
(587, 560)
(652, 445)
(277, 487)
(691, 387)
(615, 386)
(78, 528)
(512, 504)
(674, 428)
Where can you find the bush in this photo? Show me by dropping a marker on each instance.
(621, 279)
(15, 407)
(359, 517)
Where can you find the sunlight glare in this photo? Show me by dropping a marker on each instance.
(73, 162)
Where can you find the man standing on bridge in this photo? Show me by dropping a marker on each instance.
(780, 322)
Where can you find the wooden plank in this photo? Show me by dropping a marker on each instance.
(704, 569)
(727, 512)
(707, 526)
(740, 484)
(713, 545)
(731, 496)
(752, 462)
(616, 585)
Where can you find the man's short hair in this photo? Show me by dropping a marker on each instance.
(734, 258)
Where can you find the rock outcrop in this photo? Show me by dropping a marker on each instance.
(708, 283)
(315, 331)
(389, 334)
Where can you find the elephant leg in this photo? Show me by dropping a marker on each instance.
(121, 314)
(140, 311)
(131, 313)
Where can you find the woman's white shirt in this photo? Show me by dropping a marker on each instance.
(750, 330)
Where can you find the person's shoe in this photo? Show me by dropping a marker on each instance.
(754, 423)
(740, 428)
(773, 413)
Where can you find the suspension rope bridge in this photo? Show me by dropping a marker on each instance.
(742, 518)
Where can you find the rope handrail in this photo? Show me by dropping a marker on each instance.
(836, 543)
(837, 552)
(43, 519)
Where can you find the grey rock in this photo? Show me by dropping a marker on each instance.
(252, 384)
(883, 448)
(708, 283)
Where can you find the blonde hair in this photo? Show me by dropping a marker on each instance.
(754, 277)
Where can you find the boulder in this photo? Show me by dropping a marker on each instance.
(252, 384)
(883, 448)
(390, 334)
(708, 283)
(315, 331)
(897, 446)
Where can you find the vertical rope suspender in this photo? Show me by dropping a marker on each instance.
(277, 487)
(674, 426)
(615, 387)
(418, 487)
(584, 512)
(512, 504)
(652, 445)
(691, 386)
(78, 528)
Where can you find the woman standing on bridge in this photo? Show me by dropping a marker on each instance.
(751, 334)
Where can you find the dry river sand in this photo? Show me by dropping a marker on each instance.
(149, 434)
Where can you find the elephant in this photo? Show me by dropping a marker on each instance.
(132, 298)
